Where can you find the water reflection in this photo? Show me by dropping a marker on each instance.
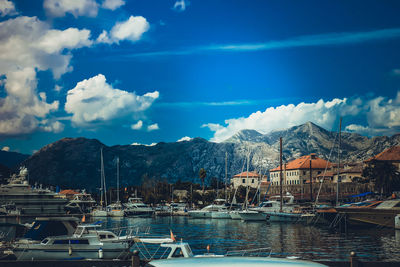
(308, 242)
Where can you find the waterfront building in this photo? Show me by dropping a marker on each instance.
(251, 179)
(348, 173)
(391, 155)
(298, 171)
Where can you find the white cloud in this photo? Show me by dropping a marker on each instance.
(54, 41)
(382, 115)
(5, 148)
(94, 101)
(29, 45)
(137, 126)
(58, 8)
(131, 30)
(7, 8)
(185, 138)
(179, 6)
(153, 127)
(112, 4)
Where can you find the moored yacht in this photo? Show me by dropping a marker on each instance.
(206, 212)
(86, 243)
(30, 201)
(136, 207)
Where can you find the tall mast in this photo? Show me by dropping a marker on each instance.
(101, 177)
(281, 176)
(226, 171)
(117, 179)
(247, 180)
(338, 174)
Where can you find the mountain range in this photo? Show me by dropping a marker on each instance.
(75, 162)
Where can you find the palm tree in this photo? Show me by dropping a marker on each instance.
(202, 175)
(384, 175)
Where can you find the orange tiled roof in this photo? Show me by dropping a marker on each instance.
(304, 163)
(392, 154)
(244, 175)
(68, 192)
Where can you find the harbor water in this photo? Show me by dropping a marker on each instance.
(282, 239)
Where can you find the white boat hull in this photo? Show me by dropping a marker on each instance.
(200, 214)
(116, 213)
(235, 215)
(99, 213)
(60, 253)
(220, 215)
(252, 216)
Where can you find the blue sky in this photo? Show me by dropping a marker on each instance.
(148, 71)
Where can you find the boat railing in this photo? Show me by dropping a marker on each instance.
(258, 252)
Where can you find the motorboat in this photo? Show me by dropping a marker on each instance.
(233, 261)
(115, 210)
(87, 242)
(221, 213)
(136, 207)
(206, 212)
(80, 204)
(180, 254)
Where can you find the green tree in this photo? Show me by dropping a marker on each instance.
(384, 175)
(202, 176)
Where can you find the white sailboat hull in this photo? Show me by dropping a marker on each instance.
(252, 216)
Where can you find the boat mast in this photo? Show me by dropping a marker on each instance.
(281, 176)
(247, 180)
(338, 174)
(226, 171)
(117, 179)
(103, 177)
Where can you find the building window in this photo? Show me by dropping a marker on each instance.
(304, 172)
(252, 181)
(243, 181)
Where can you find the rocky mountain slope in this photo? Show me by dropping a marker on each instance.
(75, 162)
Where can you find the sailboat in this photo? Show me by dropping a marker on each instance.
(223, 211)
(100, 211)
(115, 209)
(286, 210)
(250, 215)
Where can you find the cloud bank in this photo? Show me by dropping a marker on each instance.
(94, 102)
(382, 116)
(29, 45)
